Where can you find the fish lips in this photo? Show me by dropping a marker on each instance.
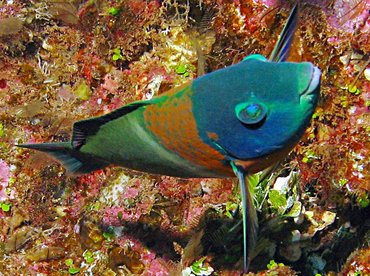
(310, 93)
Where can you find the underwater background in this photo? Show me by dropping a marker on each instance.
(63, 61)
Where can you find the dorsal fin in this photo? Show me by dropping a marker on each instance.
(282, 46)
(84, 128)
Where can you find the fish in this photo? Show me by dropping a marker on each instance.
(234, 121)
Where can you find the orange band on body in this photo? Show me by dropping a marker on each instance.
(173, 124)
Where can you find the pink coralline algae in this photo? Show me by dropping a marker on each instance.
(349, 15)
(131, 192)
(115, 215)
(4, 179)
(156, 268)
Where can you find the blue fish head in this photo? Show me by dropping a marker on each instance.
(256, 107)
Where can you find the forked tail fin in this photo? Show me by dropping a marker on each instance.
(73, 160)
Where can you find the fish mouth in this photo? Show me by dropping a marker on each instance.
(314, 82)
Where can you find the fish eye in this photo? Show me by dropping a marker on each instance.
(251, 113)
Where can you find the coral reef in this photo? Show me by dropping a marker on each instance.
(62, 61)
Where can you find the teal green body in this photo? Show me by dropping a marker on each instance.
(128, 137)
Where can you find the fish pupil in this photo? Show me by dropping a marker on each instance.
(253, 110)
(251, 113)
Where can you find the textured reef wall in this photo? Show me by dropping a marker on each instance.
(61, 61)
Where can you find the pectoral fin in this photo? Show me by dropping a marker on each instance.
(250, 220)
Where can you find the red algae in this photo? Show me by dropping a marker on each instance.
(358, 262)
(3, 83)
